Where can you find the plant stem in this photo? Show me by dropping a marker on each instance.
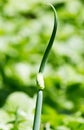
(36, 125)
(43, 62)
(40, 81)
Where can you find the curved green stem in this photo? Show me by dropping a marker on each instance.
(40, 82)
(43, 62)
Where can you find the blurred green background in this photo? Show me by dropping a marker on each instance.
(25, 29)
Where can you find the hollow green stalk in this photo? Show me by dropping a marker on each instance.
(40, 81)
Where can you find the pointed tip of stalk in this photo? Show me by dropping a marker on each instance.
(55, 12)
(52, 6)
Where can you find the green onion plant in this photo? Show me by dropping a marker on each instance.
(40, 80)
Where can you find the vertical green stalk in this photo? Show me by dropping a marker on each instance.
(36, 125)
(40, 81)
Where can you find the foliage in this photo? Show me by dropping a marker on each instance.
(25, 29)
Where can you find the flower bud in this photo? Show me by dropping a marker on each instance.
(40, 81)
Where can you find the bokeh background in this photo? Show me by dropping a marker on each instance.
(25, 29)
